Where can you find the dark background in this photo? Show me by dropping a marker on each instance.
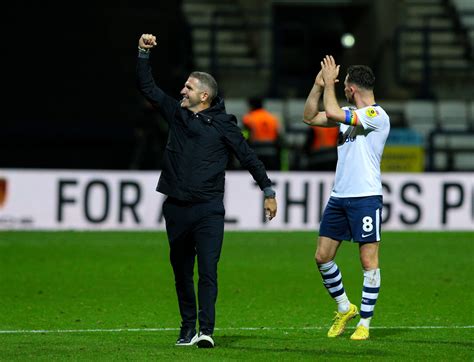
(68, 73)
(69, 94)
(302, 41)
(69, 97)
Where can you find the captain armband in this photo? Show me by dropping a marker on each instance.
(351, 118)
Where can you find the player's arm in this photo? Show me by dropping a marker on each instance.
(248, 159)
(146, 83)
(311, 113)
(320, 120)
(334, 112)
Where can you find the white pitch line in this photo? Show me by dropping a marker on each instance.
(114, 330)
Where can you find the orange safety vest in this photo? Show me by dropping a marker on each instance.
(263, 126)
(324, 137)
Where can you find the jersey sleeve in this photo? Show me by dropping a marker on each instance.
(370, 117)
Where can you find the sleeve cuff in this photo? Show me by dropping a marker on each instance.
(269, 193)
(143, 53)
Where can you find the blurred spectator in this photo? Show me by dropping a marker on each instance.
(321, 148)
(262, 130)
(151, 132)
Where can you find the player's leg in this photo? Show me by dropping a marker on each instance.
(367, 223)
(208, 233)
(330, 273)
(333, 229)
(182, 258)
(370, 290)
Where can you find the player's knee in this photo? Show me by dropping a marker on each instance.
(321, 257)
(369, 262)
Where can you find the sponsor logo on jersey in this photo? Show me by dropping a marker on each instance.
(371, 112)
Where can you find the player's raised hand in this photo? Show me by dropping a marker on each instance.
(319, 79)
(329, 69)
(147, 41)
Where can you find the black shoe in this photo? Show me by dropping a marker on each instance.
(187, 337)
(204, 341)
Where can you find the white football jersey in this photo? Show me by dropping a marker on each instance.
(359, 153)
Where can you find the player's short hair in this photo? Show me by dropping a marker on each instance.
(208, 82)
(362, 76)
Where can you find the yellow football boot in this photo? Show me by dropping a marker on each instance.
(360, 334)
(340, 321)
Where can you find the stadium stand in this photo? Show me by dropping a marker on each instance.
(465, 10)
(420, 116)
(453, 115)
(421, 51)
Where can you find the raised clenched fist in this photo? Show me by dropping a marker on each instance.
(147, 41)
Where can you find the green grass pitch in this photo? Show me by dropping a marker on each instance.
(110, 296)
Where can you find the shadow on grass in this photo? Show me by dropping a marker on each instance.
(315, 347)
(381, 333)
(447, 343)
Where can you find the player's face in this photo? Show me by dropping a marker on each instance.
(349, 91)
(192, 94)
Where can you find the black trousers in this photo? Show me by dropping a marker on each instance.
(195, 229)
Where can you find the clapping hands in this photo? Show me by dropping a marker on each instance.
(329, 70)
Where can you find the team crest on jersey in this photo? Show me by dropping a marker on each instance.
(371, 112)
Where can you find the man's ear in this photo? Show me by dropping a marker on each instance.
(204, 97)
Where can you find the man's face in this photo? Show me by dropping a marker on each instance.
(349, 91)
(192, 94)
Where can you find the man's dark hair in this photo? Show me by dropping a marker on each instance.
(362, 76)
(207, 82)
(255, 102)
